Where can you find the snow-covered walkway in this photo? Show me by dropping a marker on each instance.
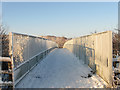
(61, 69)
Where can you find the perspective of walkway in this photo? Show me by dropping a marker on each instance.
(61, 69)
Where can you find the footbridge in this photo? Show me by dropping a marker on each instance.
(35, 62)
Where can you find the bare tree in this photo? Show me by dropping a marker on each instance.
(94, 32)
(59, 40)
(116, 43)
(2, 30)
(4, 41)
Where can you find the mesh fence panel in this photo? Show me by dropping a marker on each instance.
(26, 51)
(96, 51)
(25, 47)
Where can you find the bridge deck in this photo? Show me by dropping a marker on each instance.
(61, 69)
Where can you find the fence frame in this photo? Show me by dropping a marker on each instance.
(36, 58)
(106, 72)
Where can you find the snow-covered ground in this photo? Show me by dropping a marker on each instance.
(61, 69)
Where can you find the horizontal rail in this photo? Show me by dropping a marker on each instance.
(30, 59)
(28, 64)
(25, 52)
(96, 51)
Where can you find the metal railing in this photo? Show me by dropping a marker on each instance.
(26, 51)
(96, 51)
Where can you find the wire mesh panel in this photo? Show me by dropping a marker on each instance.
(96, 51)
(26, 51)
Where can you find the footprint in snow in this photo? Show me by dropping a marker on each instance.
(37, 77)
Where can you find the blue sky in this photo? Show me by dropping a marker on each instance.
(70, 19)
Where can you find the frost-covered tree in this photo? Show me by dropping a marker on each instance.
(116, 43)
(4, 41)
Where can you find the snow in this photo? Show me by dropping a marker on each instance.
(6, 82)
(5, 58)
(61, 69)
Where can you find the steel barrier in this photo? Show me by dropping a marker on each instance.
(96, 51)
(26, 51)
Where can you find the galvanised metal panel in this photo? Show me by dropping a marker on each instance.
(26, 51)
(96, 51)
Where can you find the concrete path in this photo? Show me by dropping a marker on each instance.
(61, 69)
